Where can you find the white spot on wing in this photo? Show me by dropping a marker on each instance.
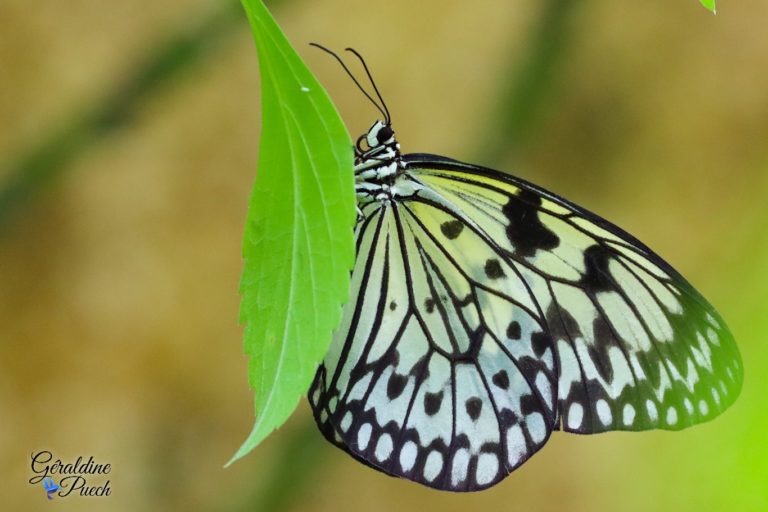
(536, 427)
(346, 421)
(316, 395)
(516, 448)
(384, 447)
(459, 466)
(664, 382)
(542, 383)
(652, 412)
(713, 337)
(433, 465)
(691, 376)
(408, 455)
(688, 405)
(636, 368)
(363, 436)
(671, 416)
(628, 415)
(575, 415)
(487, 468)
(604, 412)
(702, 353)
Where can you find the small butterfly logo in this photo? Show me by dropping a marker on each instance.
(50, 487)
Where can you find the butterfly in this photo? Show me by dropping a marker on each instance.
(486, 312)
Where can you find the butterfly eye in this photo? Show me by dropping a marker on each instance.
(384, 134)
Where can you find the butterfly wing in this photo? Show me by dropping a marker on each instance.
(637, 346)
(487, 312)
(414, 384)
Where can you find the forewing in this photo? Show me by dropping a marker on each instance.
(636, 346)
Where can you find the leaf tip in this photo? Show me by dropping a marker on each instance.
(256, 436)
(710, 5)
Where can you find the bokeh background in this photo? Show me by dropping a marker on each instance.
(128, 146)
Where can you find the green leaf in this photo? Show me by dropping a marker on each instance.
(298, 245)
(709, 4)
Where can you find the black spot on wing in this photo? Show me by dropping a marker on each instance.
(432, 402)
(391, 357)
(474, 407)
(562, 326)
(530, 404)
(501, 379)
(452, 228)
(513, 330)
(392, 306)
(493, 269)
(396, 385)
(525, 231)
(420, 370)
(604, 340)
(540, 342)
(597, 277)
(429, 304)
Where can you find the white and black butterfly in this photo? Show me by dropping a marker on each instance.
(486, 312)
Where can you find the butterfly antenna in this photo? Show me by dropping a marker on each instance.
(383, 111)
(373, 82)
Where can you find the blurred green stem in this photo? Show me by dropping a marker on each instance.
(521, 106)
(296, 470)
(35, 167)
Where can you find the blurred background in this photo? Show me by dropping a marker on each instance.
(128, 146)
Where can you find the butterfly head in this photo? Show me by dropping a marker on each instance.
(379, 136)
(377, 146)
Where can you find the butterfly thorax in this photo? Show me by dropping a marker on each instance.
(378, 168)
